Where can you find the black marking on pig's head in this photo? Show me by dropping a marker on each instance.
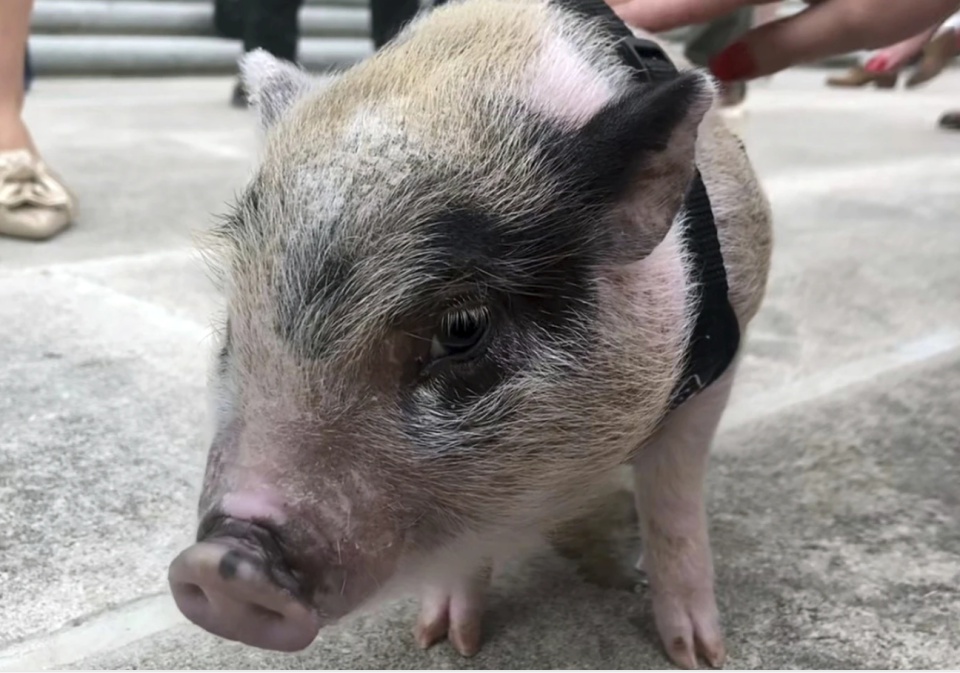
(533, 276)
(532, 273)
(536, 265)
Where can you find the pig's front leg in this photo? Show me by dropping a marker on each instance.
(453, 607)
(668, 473)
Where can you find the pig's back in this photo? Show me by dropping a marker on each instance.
(741, 211)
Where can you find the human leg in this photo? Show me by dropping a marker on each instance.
(33, 202)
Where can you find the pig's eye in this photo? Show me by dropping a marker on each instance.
(462, 333)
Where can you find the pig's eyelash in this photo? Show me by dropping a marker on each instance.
(464, 315)
(459, 314)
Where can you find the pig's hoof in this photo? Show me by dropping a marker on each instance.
(435, 622)
(455, 614)
(690, 626)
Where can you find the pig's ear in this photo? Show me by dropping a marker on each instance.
(272, 85)
(642, 147)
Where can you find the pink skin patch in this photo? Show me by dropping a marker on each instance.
(663, 274)
(252, 504)
(565, 86)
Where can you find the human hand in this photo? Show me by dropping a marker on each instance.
(826, 28)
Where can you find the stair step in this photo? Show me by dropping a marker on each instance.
(172, 55)
(143, 17)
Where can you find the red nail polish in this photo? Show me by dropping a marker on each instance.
(876, 63)
(734, 62)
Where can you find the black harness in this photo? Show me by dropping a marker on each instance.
(716, 333)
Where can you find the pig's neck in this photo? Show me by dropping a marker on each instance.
(664, 298)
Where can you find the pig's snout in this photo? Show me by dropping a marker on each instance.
(230, 586)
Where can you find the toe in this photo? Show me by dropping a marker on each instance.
(706, 632)
(712, 651)
(709, 644)
(466, 638)
(680, 651)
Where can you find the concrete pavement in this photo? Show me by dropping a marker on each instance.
(835, 486)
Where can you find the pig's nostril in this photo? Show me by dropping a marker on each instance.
(194, 596)
(229, 595)
(265, 613)
(190, 598)
(193, 591)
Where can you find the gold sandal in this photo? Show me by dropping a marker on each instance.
(33, 202)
